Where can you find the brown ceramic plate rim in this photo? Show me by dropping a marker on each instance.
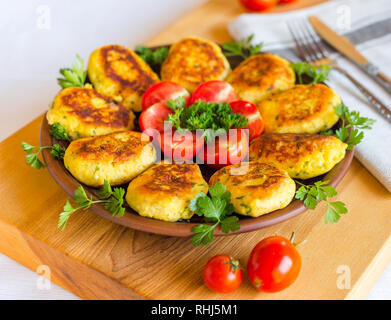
(178, 229)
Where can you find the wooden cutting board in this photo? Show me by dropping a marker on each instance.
(96, 259)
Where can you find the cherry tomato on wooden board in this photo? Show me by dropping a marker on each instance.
(259, 5)
(179, 147)
(255, 122)
(222, 274)
(214, 91)
(227, 149)
(152, 119)
(162, 92)
(274, 264)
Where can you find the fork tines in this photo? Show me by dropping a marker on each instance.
(308, 43)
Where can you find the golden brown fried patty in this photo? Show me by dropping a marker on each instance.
(260, 75)
(121, 74)
(301, 109)
(192, 61)
(117, 157)
(164, 191)
(84, 112)
(303, 155)
(256, 189)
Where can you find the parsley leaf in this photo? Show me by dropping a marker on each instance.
(310, 202)
(177, 103)
(203, 234)
(355, 138)
(217, 209)
(218, 191)
(230, 224)
(318, 74)
(32, 154)
(75, 76)
(353, 122)
(177, 106)
(213, 118)
(80, 196)
(31, 157)
(152, 57)
(32, 160)
(193, 202)
(57, 152)
(342, 133)
(242, 48)
(334, 211)
(106, 191)
(113, 200)
(320, 191)
(64, 216)
(58, 132)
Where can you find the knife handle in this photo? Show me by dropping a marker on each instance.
(384, 78)
(380, 107)
(378, 76)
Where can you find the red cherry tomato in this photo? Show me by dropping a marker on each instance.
(255, 123)
(180, 147)
(214, 91)
(152, 119)
(274, 264)
(162, 92)
(222, 274)
(259, 5)
(228, 149)
(287, 1)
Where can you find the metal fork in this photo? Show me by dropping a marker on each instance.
(313, 51)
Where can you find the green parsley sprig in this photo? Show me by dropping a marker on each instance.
(353, 120)
(112, 198)
(216, 209)
(58, 132)
(32, 154)
(75, 76)
(321, 191)
(242, 48)
(213, 118)
(152, 57)
(318, 74)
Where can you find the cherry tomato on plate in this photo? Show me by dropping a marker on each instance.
(255, 123)
(152, 119)
(227, 149)
(180, 147)
(274, 264)
(162, 92)
(214, 91)
(222, 274)
(259, 5)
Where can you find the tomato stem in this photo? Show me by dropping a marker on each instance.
(292, 238)
(235, 264)
(300, 243)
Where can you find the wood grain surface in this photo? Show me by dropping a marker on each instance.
(96, 259)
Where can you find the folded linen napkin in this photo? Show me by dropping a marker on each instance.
(368, 25)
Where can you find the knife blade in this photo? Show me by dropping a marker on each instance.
(344, 46)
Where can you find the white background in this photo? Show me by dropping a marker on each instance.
(35, 45)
